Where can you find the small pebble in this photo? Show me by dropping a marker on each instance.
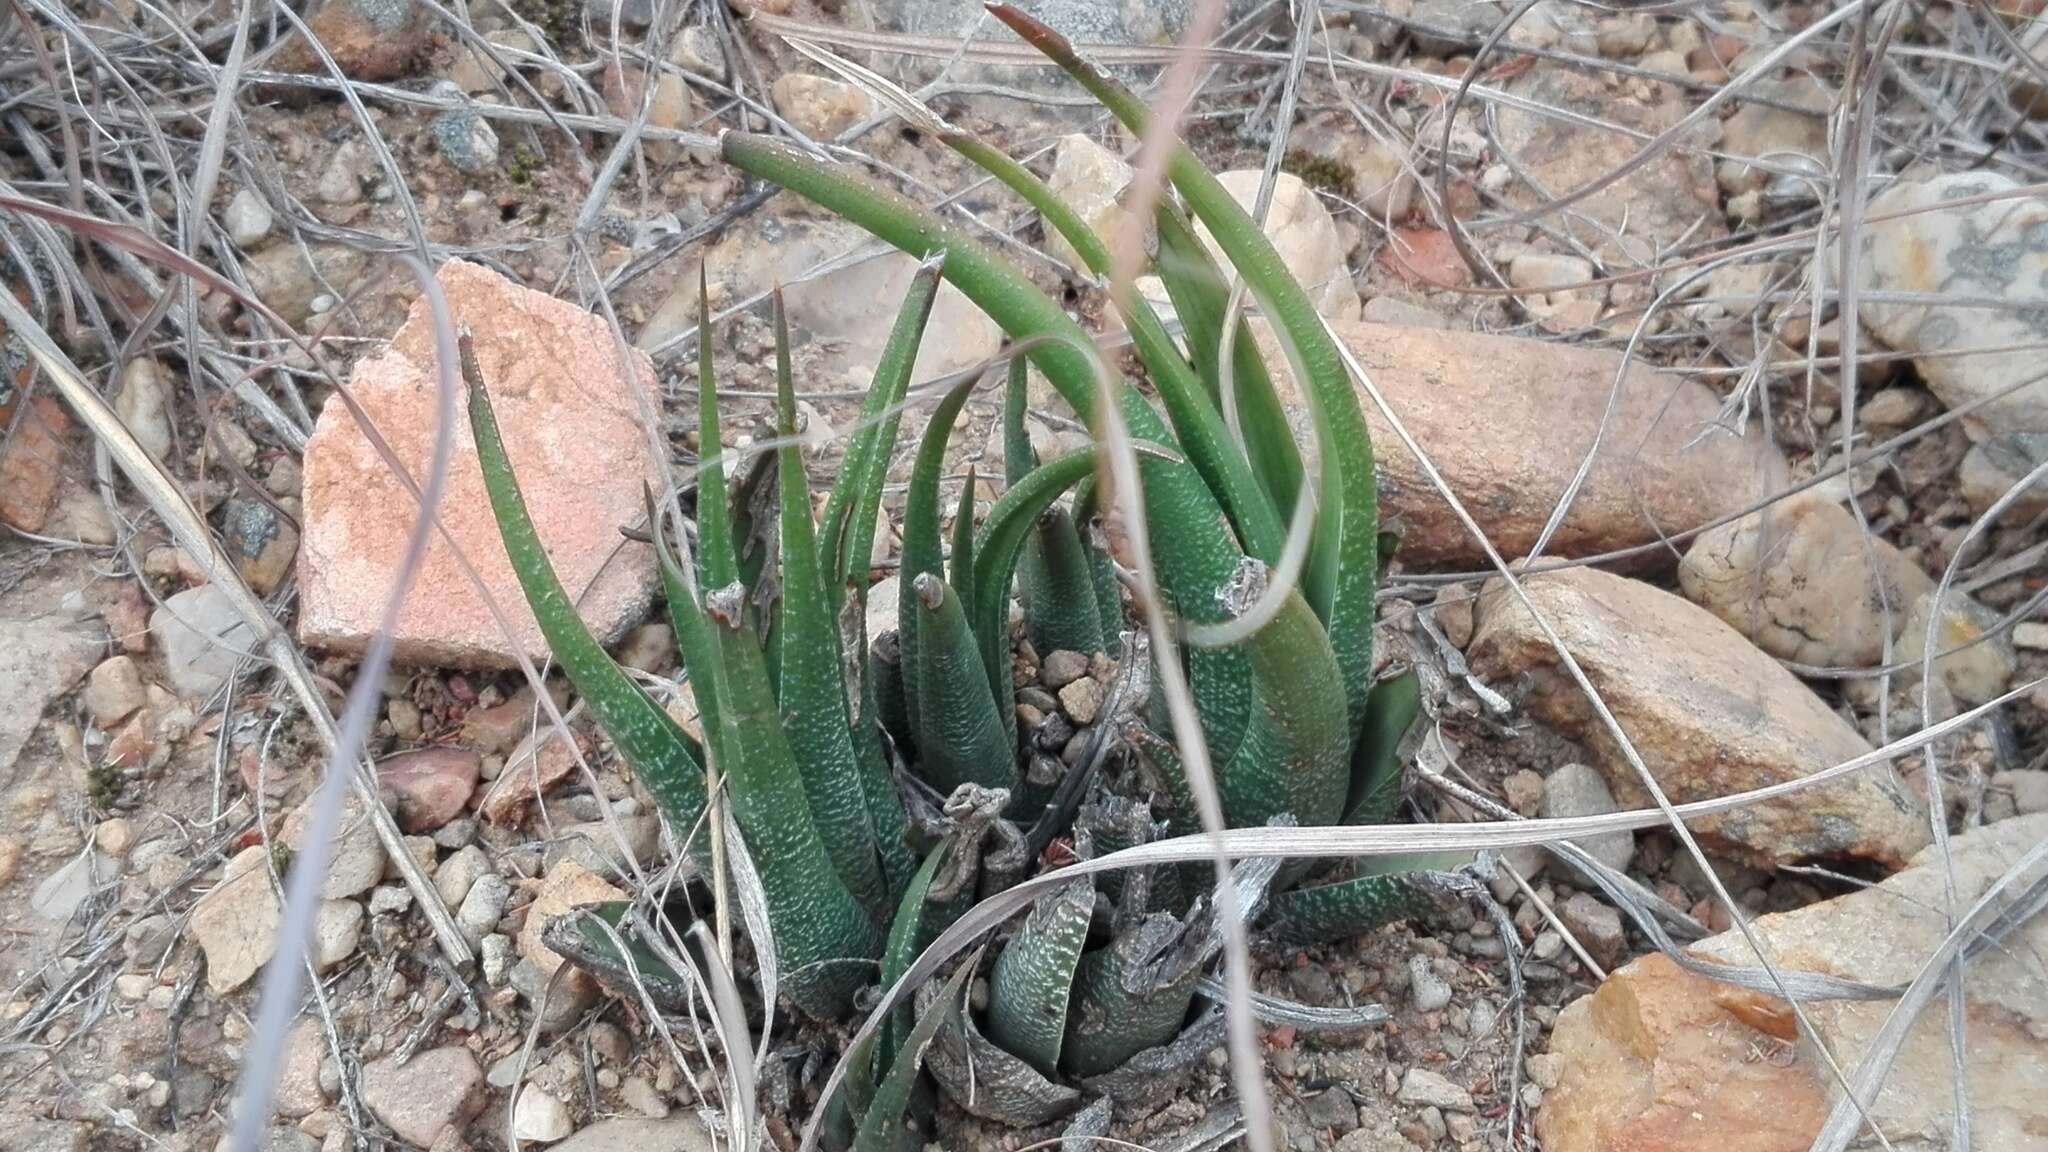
(1061, 669)
(1081, 700)
(1430, 991)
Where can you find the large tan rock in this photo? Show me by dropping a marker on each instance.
(1657, 1058)
(1967, 352)
(570, 427)
(1508, 422)
(1709, 714)
(1803, 581)
(1651, 1061)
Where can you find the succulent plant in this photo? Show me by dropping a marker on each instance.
(876, 783)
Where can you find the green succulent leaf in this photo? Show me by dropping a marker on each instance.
(1062, 613)
(601, 940)
(921, 551)
(1341, 573)
(1200, 296)
(1193, 547)
(646, 737)
(914, 926)
(1109, 602)
(718, 561)
(961, 738)
(821, 928)
(961, 570)
(1376, 762)
(1004, 542)
(1323, 912)
(1117, 1012)
(1295, 752)
(881, 1129)
(849, 524)
(1059, 612)
(812, 689)
(1033, 977)
(1196, 421)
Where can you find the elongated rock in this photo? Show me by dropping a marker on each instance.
(1508, 422)
(1709, 714)
(569, 421)
(1660, 1058)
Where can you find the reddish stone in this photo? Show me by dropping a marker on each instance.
(1425, 256)
(31, 464)
(374, 40)
(433, 785)
(1651, 1062)
(570, 424)
(541, 761)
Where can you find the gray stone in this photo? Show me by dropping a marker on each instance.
(341, 182)
(43, 652)
(483, 905)
(356, 855)
(559, 1004)
(852, 306)
(681, 1132)
(633, 15)
(1997, 463)
(1423, 1087)
(1430, 991)
(592, 845)
(1978, 663)
(465, 139)
(1577, 790)
(337, 928)
(1334, 1109)
(1454, 26)
(390, 900)
(642, 1097)
(1979, 251)
(298, 1080)
(1804, 581)
(696, 49)
(1390, 310)
(1089, 179)
(65, 890)
(1709, 713)
(202, 638)
(236, 921)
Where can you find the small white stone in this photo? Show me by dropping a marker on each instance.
(142, 404)
(1429, 990)
(540, 1117)
(247, 218)
(336, 930)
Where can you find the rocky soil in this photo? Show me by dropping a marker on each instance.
(1763, 566)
